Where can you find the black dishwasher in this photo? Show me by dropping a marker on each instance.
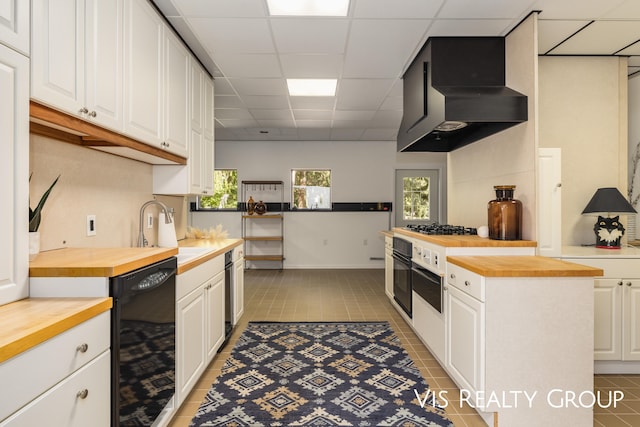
(143, 326)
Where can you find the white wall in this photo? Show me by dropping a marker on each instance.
(508, 157)
(360, 172)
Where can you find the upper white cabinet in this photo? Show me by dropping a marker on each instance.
(14, 24)
(177, 66)
(14, 185)
(196, 177)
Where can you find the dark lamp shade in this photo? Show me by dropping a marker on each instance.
(608, 200)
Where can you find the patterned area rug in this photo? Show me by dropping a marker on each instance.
(318, 374)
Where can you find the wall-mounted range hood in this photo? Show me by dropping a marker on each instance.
(455, 94)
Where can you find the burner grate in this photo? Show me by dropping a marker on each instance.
(442, 229)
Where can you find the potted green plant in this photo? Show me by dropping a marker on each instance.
(34, 220)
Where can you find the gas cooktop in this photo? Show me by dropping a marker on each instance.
(441, 229)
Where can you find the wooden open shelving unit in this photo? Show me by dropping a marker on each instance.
(263, 234)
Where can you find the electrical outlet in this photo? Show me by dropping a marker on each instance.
(91, 225)
(149, 220)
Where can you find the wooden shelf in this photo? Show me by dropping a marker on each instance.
(263, 257)
(267, 216)
(265, 238)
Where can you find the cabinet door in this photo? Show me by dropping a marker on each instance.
(388, 269)
(104, 56)
(631, 322)
(238, 290)
(14, 185)
(197, 98)
(143, 38)
(214, 294)
(465, 347)
(177, 68)
(208, 118)
(607, 340)
(195, 162)
(57, 56)
(190, 339)
(14, 24)
(207, 165)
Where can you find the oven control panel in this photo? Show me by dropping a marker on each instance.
(427, 255)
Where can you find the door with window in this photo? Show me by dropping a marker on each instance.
(417, 196)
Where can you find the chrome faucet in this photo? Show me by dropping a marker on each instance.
(142, 241)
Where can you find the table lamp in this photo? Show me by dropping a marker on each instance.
(608, 201)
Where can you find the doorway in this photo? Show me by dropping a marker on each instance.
(417, 196)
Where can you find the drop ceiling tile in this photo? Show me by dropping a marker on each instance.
(313, 124)
(552, 32)
(270, 114)
(275, 102)
(379, 135)
(634, 49)
(227, 101)
(409, 9)
(353, 124)
(486, 9)
(233, 113)
(221, 8)
(320, 66)
(392, 103)
(600, 38)
(277, 123)
(223, 87)
(380, 48)
(313, 102)
(314, 134)
(312, 114)
(274, 87)
(470, 27)
(362, 94)
(249, 65)
(312, 35)
(346, 134)
(234, 35)
(582, 9)
(625, 10)
(234, 123)
(388, 118)
(353, 115)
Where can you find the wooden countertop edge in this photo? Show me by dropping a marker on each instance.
(466, 240)
(523, 266)
(43, 326)
(387, 233)
(194, 262)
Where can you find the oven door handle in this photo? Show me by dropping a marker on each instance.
(421, 271)
(400, 258)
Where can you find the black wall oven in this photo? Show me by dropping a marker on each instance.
(402, 287)
(143, 324)
(428, 285)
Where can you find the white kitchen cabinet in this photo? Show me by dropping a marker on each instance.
(388, 266)
(77, 58)
(71, 389)
(465, 343)
(177, 67)
(238, 283)
(607, 339)
(14, 185)
(631, 329)
(199, 322)
(14, 25)
(196, 177)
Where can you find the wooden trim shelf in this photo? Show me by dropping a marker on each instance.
(265, 238)
(263, 257)
(267, 216)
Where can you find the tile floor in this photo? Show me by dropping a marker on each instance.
(358, 295)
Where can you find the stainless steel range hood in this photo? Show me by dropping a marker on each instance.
(455, 94)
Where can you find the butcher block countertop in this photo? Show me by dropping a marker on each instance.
(523, 266)
(26, 323)
(466, 240)
(217, 248)
(95, 262)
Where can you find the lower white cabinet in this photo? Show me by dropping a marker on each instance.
(238, 283)
(64, 381)
(199, 322)
(388, 266)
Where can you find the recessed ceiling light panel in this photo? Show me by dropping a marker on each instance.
(312, 87)
(308, 7)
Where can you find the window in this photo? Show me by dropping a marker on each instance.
(417, 197)
(225, 191)
(311, 189)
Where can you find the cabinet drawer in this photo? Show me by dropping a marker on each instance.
(82, 399)
(41, 367)
(467, 281)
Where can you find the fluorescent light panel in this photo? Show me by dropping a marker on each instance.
(312, 87)
(308, 7)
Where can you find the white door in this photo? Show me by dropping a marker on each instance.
(417, 198)
(14, 175)
(607, 339)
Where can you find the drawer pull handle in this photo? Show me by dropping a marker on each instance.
(82, 348)
(453, 276)
(620, 283)
(629, 284)
(82, 394)
(467, 283)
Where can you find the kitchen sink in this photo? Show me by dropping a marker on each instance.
(186, 254)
